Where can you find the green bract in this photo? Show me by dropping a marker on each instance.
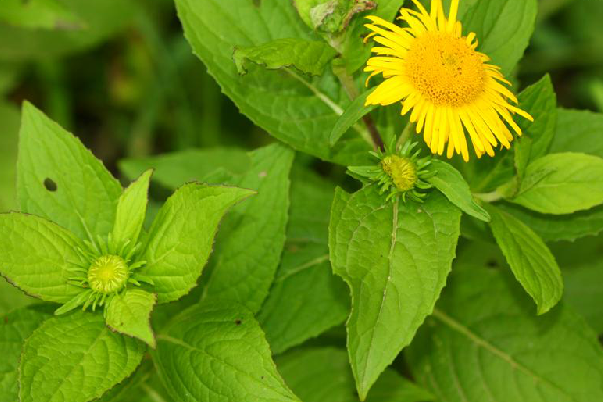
(399, 172)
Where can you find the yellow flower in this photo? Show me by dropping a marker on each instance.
(439, 75)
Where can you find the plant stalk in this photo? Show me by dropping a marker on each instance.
(350, 88)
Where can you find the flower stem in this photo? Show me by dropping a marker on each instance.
(405, 136)
(489, 197)
(350, 88)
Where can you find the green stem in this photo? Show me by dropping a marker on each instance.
(154, 395)
(350, 88)
(406, 135)
(489, 197)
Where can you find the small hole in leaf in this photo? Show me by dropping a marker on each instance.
(492, 264)
(50, 185)
(238, 322)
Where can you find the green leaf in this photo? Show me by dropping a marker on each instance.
(181, 237)
(310, 211)
(251, 238)
(523, 151)
(540, 101)
(354, 112)
(36, 255)
(9, 116)
(323, 374)
(75, 358)
(131, 211)
(484, 344)
(309, 57)
(583, 291)
(48, 14)
(395, 258)
(101, 18)
(452, 184)
(293, 108)
(130, 313)
(578, 131)
(59, 179)
(503, 28)
(562, 184)
(15, 328)
(124, 391)
(530, 259)
(581, 263)
(143, 386)
(306, 299)
(559, 227)
(218, 354)
(176, 169)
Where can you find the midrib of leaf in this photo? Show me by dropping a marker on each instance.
(303, 267)
(192, 348)
(327, 101)
(460, 328)
(320, 95)
(389, 274)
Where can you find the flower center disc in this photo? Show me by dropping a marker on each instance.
(108, 274)
(402, 171)
(445, 69)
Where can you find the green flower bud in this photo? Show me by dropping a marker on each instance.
(108, 274)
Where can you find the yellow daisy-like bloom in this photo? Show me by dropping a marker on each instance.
(439, 75)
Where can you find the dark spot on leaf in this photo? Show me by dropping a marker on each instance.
(262, 377)
(238, 322)
(492, 264)
(50, 185)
